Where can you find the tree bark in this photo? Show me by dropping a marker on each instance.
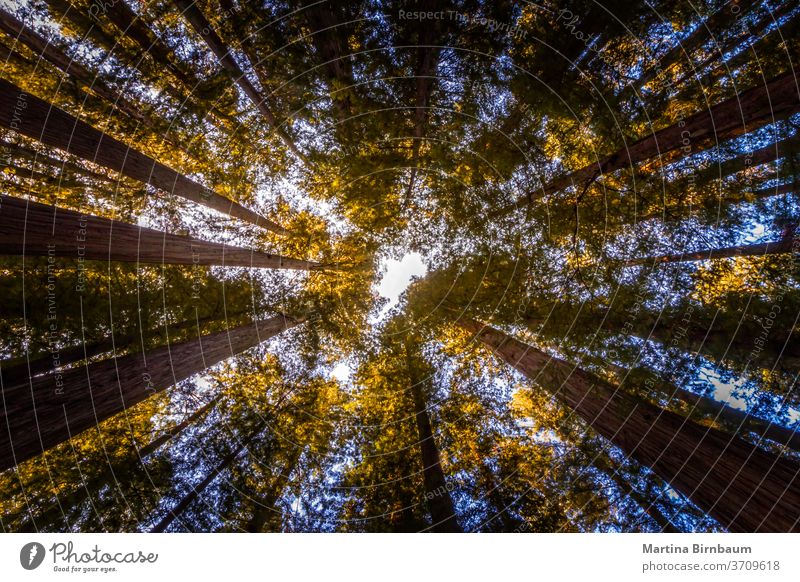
(744, 488)
(437, 493)
(329, 43)
(755, 32)
(769, 153)
(704, 31)
(36, 158)
(427, 62)
(719, 170)
(203, 27)
(51, 409)
(724, 199)
(739, 419)
(20, 370)
(765, 45)
(704, 335)
(755, 250)
(110, 474)
(29, 228)
(265, 506)
(648, 505)
(502, 506)
(37, 119)
(17, 30)
(735, 419)
(134, 27)
(195, 492)
(751, 109)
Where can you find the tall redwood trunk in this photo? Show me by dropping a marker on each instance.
(330, 44)
(716, 171)
(39, 120)
(203, 27)
(743, 487)
(764, 155)
(761, 105)
(265, 505)
(136, 29)
(196, 490)
(497, 501)
(704, 32)
(110, 475)
(29, 228)
(425, 72)
(722, 200)
(734, 418)
(739, 419)
(646, 502)
(754, 32)
(743, 341)
(437, 493)
(51, 409)
(48, 51)
(21, 369)
(38, 159)
(755, 250)
(763, 46)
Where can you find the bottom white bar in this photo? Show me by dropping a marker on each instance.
(371, 557)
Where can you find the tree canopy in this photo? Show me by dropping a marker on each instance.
(209, 216)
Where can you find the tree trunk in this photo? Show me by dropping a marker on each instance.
(135, 28)
(755, 250)
(704, 32)
(766, 45)
(437, 493)
(744, 488)
(717, 171)
(769, 153)
(31, 229)
(203, 27)
(427, 62)
(265, 506)
(736, 420)
(20, 370)
(87, 28)
(187, 500)
(739, 419)
(751, 109)
(770, 191)
(51, 409)
(330, 44)
(756, 32)
(78, 19)
(702, 334)
(36, 158)
(502, 506)
(44, 122)
(647, 505)
(110, 475)
(603, 464)
(48, 51)
(36, 178)
(724, 199)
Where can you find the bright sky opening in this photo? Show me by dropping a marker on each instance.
(341, 372)
(397, 276)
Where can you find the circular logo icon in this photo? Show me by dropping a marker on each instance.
(31, 555)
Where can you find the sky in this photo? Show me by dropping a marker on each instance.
(397, 276)
(724, 391)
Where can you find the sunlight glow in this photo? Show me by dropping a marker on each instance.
(341, 372)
